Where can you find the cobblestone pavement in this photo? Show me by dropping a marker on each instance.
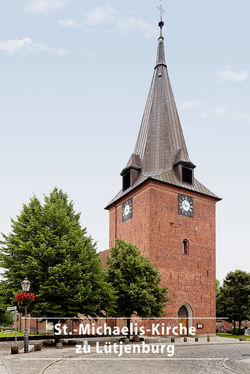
(188, 359)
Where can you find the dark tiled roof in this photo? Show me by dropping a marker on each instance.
(134, 162)
(160, 137)
(160, 144)
(168, 177)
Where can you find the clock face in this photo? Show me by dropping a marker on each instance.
(185, 205)
(127, 210)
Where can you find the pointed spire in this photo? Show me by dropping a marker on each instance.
(160, 137)
(161, 60)
(161, 52)
(161, 24)
(160, 152)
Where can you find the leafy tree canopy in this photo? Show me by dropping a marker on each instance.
(48, 245)
(233, 298)
(136, 282)
(217, 286)
(6, 318)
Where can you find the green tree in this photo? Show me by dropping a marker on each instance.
(48, 245)
(136, 282)
(217, 286)
(6, 318)
(233, 298)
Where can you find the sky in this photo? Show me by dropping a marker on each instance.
(74, 78)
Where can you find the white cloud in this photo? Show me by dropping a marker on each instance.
(93, 18)
(194, 129)
(222, 111)
(107, 15)
(70, 23)
(227, 75)
(192, 104)
(45, 6)
(203, 114)
(14, 46)
(99, 15)
(133, 24)
(226, 111)
(241, 116)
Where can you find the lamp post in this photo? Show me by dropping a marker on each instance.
(25, 288)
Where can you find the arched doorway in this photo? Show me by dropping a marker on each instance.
(185, 317)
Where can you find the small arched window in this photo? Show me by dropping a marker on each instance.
(185, 247)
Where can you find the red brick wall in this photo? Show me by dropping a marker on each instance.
(158, 230)
(135, 230)
(34, 325)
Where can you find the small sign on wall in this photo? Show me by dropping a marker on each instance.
(200, 326)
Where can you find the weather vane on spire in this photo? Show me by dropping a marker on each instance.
(161, 23)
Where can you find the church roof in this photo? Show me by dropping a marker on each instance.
(160, 137)
(160, 144)
(169, 178)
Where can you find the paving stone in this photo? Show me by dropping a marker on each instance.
(190, 358)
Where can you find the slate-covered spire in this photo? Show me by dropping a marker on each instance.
(160, 152)
(160, 138)
(161, 60)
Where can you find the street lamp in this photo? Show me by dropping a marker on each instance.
(26, 287)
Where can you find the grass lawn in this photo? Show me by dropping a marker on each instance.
(10, 334)
(245, 337)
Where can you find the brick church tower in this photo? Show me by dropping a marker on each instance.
(165, 211)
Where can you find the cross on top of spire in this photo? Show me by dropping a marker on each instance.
(160, 151)
(161, 23)
(161, 9)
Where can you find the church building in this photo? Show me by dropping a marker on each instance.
(165, 211)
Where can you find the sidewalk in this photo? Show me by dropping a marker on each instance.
(202, 340)
(3, 370)
(69, 361)
(5, 346)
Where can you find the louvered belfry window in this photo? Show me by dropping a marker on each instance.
(187, 175)
(126, 181)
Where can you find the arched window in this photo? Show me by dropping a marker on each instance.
(183, 313)
(185, 247)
